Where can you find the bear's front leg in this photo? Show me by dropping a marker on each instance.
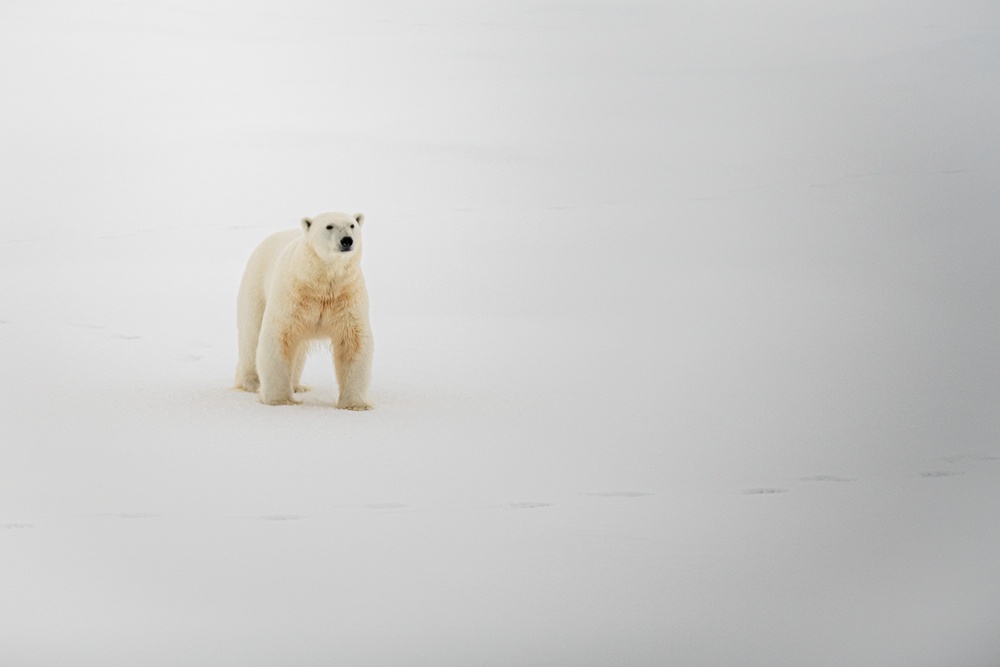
(275, 354)
(352, 359)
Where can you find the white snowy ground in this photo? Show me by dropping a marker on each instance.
(686, 316)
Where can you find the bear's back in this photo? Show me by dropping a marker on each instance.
(264, 258)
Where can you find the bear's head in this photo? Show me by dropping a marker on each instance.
(334, 236)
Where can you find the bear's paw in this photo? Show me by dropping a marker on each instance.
(250, 384)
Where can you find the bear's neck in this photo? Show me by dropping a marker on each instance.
(315, 268)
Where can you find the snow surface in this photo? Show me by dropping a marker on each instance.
(687, 339)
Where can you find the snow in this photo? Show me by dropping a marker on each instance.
(685, 318)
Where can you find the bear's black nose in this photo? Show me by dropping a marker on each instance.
(346, 242)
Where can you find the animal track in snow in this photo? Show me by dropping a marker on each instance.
(15, 526)
(941, 473)
(956, 458)
(528, 506)
(112, 334)
(763, 491)
(619, 494)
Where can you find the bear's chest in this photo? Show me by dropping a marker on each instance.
(320, 306)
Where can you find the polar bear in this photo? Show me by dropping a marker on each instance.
(300, 286)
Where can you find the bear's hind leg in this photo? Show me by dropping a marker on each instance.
(249, 313)
(298, 364)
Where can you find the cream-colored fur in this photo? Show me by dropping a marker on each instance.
(300, 286)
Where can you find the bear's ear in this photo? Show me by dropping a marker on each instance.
(360, 217)
(306, 224)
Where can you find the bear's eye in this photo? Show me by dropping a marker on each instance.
(329, 226)
(352, 226)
